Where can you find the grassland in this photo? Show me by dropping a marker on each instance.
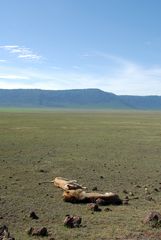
(36, 146)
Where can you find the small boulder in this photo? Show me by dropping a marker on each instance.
(42, 232)
(125, 191)
(93, 207)
(153, 219)
(156, 189)
(77, 221)
(149, 198)
(68, 221)
(5, 234)
(94, 189)
(108, 209)
(33, 215)
(72, 221)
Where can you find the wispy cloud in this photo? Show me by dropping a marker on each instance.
(107, 56)
(21, 52)
(55, 68)
(123, 77)
(127, 77)
(12, 76)
(136, 80)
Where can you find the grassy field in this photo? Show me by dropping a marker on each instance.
(122, 147)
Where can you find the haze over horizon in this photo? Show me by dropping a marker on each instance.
(114, 45)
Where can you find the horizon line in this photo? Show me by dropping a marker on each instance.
(79, 89)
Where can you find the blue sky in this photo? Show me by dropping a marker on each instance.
(113, 45)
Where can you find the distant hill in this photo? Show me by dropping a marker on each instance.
(80, 98)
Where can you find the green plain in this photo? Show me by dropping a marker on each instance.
(124, 147)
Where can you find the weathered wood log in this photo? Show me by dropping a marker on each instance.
(80, 196)
(67, 184)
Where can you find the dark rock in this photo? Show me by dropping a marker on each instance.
(135, 198)
(156, 189)
(42, 232)
(107, 209)
(2, 229)
(101, 177)
(72, 221)
(149, 198)
(5, 234)
(30, 230)
(94, 207)
(153, 219)
(77, 221)
(68, 221)
(94, 189)
(33, 215)
(127, 198)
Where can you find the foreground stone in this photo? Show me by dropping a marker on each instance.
(72, 221)
(93, 207)
(33, 215)
(5, 234)
(153, 219)
(42, 232)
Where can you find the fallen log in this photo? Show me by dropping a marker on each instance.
(67, 184)
(81, 196)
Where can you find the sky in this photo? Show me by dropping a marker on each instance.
(113, 45)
